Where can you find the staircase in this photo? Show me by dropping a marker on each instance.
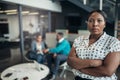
(108, 6)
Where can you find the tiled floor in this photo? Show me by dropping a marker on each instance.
(15, 59)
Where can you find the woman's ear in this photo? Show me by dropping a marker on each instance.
(104, 25)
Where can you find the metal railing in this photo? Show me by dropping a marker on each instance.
(106, 5)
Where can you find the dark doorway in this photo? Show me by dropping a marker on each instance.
(73, 23)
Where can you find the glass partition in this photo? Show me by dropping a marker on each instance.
(9, 31)
(34, 21)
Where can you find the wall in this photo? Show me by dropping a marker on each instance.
(41, 4)
(57, 21)
(30, 23)
(14, 26)
(69, 9)
(51, 40)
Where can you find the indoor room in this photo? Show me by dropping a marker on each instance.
(31, 35)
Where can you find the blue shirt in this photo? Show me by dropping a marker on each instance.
(62, 47)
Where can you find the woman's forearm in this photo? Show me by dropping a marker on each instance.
(78, 63)
(98, 71)
(109, 66)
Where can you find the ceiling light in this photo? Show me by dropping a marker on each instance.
(1, 11)
(33, 13)
(25, 12)
(13, 10)
(10, 13)
(42, 16)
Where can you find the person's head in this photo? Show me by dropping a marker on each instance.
(38, 38)
(96, 22)
(59, 36)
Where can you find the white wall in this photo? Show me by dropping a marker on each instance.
(83, 32)
(30, 23)
(51, 40)
(41, 4)
(14, 26)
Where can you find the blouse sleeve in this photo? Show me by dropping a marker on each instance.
(74, 43)
(114, 46)
(77, 42)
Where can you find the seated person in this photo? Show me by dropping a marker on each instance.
(58, 54)
(37, 47)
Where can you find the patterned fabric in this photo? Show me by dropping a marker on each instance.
(98, 50)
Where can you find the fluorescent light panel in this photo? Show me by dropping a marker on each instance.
(24, 12)
(13, 10)
(33, 13)
(1, 11)
(11, 13)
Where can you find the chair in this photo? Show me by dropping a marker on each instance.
(27, 58)
(64, 67)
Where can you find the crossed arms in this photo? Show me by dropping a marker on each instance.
(94, 67)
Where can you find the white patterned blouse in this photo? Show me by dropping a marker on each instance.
(98, 50)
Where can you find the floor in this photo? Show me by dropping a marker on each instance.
(16, 59)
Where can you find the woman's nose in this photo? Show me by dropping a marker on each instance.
(95, 23)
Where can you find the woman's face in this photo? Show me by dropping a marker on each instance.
(96, 23)
(39, 38)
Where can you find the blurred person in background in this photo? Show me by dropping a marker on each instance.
(57, 54)
(37, 47)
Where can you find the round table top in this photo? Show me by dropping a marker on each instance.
(25, 71)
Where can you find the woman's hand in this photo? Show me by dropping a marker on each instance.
(96, 63)
(45, 50)
(54, 55)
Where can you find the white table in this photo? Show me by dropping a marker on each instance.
(29, 70)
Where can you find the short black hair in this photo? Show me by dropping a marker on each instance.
(100, 12)
(60, 33)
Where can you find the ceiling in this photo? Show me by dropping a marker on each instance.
(4, 6)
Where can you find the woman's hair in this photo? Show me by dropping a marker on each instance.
(100, 12)
(37, 35)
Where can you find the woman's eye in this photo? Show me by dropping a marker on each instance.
(100, 21)
(90, 20)
(93, 21)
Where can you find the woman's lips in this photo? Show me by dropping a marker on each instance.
(94, 30)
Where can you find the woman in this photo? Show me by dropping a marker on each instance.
(97, 56)
(37, 48)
